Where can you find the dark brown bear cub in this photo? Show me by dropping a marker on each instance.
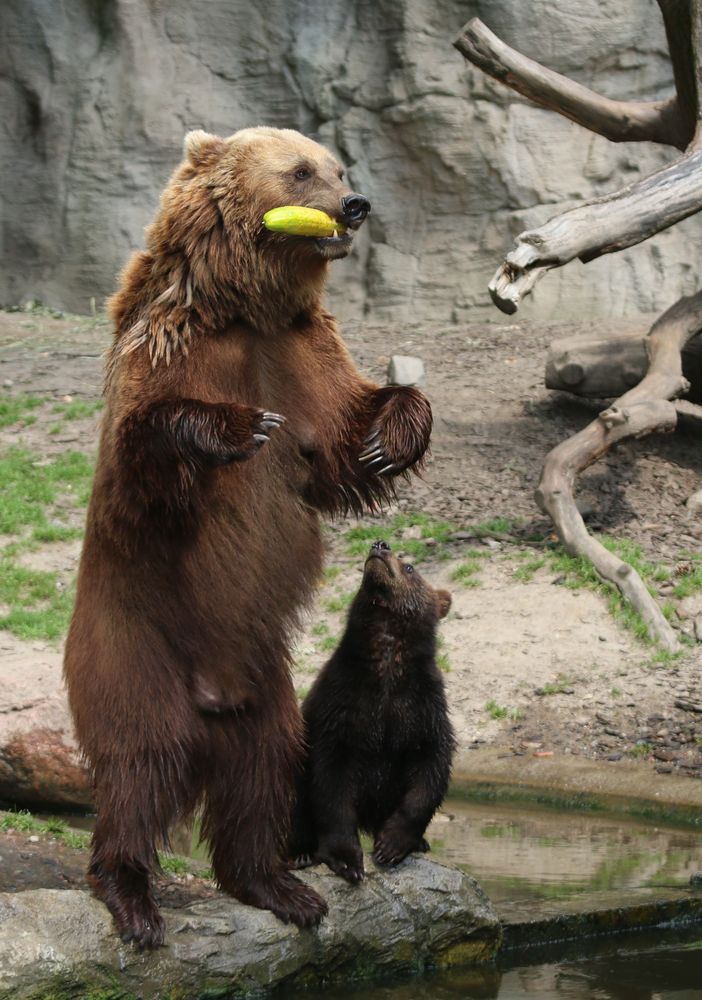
(379, 736)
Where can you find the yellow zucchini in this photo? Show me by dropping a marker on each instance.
(299, 221)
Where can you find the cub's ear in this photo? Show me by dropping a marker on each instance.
(443, 602)
(200, 146)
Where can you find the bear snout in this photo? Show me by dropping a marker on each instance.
(354, 209)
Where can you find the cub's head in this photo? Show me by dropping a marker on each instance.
(258, 169)
(396, 585)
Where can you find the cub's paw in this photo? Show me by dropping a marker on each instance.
(344, 860)
(392, 846)
(399, 435)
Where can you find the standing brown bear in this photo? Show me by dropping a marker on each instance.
(203, 537)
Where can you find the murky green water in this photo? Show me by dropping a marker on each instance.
(654, 967)
(522, 852)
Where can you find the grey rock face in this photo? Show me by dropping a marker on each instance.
(421, 913)
(97, 98)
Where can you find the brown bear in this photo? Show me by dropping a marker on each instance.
(380, 742)
(234, 415)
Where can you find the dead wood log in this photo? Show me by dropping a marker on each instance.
(634, 213)
(641, 410)
(604, 369)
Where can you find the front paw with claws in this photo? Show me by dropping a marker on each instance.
(242, 442)
(399, 435)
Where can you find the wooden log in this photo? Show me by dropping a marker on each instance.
(604, 369)
(619, 121)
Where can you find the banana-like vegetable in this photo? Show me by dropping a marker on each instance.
(299, 221)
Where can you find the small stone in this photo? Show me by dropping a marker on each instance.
(615, 756)
(694, 502)
(33, 839)
(406, 370)
(7, 383)
(696, 880)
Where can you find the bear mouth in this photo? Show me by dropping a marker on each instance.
(334, 247)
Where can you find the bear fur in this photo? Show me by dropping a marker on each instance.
(380, 742)
(234, 416)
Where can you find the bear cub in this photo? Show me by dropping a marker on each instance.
(380, 743)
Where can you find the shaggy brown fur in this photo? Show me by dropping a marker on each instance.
(203, 540)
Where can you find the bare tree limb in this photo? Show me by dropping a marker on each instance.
(643, 409)
(683, 28)
(605, 225)
(619, 121)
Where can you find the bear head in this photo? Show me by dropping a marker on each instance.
(390, 583)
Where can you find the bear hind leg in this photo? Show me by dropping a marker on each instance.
(138, 801)
(246, 818)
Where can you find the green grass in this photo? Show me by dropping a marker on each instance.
(640, 749)
(340, 602)
(496, 711)
(465, 572)
(493, 526)
(328, 643)
(37, 606)
(31, 487)
(559, 686)
(525, 572)
(16, 408)
(689, 579)
(360, 538)
(580, 573)
(24, 822)
(78, 408)
(321, 628)
(173, 864)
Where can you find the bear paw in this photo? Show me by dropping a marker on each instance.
(290, 899)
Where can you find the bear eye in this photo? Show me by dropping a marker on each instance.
(303, 174)
(409, 568)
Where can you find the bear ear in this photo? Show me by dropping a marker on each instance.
(200, 146)
(443, 602)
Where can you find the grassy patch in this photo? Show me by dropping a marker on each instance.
(328, 643)
(36, 606)
(580, 573)
(496, 711)
(16, 408)
(465, 572)
(340, 602)
(689, 578)
(560, 686)
(24, 822)
(525, 572)
(640, 749)
(31, 487)
(493, 526)
(321, 628)
(360, 538)
(78, 409)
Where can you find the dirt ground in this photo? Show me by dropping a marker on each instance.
(534, 663)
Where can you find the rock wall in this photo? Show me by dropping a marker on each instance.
(97, 94)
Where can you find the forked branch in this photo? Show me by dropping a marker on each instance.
(619, 121)
(643, 409)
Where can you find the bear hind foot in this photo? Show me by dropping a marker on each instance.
(287, 896)
(134, 910)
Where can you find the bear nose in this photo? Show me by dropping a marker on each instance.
(354, 209)
(380, 547)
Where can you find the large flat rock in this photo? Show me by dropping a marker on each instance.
(421, 914)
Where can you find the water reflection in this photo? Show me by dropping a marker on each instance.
(522, 852)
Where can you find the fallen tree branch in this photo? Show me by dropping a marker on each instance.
(643, 409)
(619, 220)
(619, 121)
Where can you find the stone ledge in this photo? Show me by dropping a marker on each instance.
(61, 943)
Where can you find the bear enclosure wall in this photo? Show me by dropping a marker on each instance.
(97, 94)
